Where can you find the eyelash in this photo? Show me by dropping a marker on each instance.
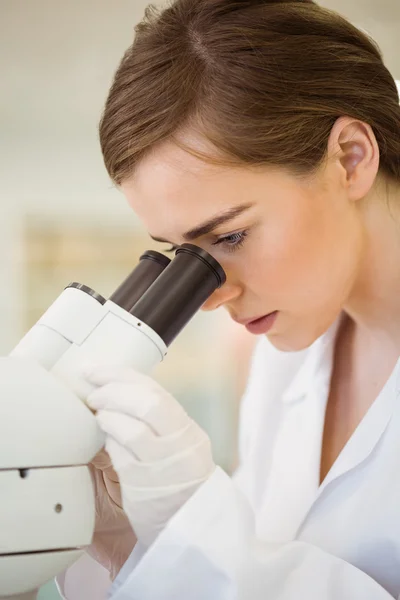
(232, 242)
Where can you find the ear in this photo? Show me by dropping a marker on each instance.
(352, 146)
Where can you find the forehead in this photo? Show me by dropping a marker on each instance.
(172, 190)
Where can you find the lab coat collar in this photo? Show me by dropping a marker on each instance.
(301, 436)
(317, 364)
(293, 479)
(369, 431)
(316, 373)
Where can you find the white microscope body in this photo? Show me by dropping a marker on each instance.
(48, 434)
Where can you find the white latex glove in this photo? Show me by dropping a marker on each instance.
(161, 456)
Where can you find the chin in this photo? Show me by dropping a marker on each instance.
(296, 341)
(288, 344)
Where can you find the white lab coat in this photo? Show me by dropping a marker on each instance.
(273, 532)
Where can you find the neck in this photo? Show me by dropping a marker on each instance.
(374, 302)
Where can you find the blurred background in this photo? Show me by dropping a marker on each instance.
(61, 219)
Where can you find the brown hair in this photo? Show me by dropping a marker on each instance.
(262, 80)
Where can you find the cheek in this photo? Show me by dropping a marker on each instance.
(306, 261)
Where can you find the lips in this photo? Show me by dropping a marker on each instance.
(263, 325)
(259, 325)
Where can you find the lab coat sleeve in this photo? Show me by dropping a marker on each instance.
(208, 550)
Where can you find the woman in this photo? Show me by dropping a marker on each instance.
(266, 132)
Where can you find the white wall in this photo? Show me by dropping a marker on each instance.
(57, 59)
(381, 19)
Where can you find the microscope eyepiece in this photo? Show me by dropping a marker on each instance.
(151, 264)
(201, 254)
(179, 292)
(159, 258)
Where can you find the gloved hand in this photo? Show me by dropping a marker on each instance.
(161, 456)
(113, 538)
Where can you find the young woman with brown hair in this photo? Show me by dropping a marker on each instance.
(266, 132)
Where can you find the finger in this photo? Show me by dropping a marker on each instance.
(179, 469)
(127, 431)
(142, 442)
(100, 375)
(101, 461)
(122, 458)
(154, 404)
(148, 403)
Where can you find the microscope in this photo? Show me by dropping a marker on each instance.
(48, 435)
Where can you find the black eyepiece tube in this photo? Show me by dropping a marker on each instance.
(179, 292)
(151, 265)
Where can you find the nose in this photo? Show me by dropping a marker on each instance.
(223, 295)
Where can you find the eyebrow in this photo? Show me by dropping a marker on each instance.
(211, 224)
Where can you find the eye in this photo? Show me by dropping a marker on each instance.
(232, 242)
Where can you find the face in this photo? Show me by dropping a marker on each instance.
(293, 247)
